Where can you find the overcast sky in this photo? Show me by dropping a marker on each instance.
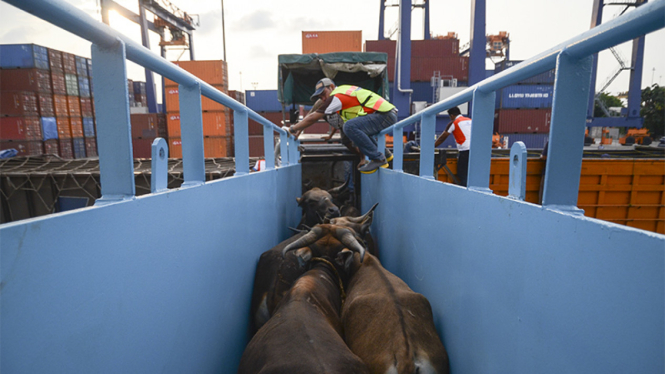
(258, 30)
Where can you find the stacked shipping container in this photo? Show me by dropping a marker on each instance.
(217, 130)
(331, 41)
(45, 96)
(523, 111)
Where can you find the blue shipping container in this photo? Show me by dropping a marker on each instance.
(525, 96)
(49, 128)
(89, 63)
(542, 78)
(81, 66)
(84, 86)
(13, 56)
(79, 147)
(139, 88)
(263, 101)
(88, 127)
(531, 141)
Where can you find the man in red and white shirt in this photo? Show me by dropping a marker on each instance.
(460, 127)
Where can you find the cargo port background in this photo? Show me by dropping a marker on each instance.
(256, 34)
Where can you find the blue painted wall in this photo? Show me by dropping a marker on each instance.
(516, 288)
(159, 284)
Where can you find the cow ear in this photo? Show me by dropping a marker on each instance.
(303, 255)
(345, 259)
(299, 200)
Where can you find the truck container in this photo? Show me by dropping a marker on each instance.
(20, 128)
(78, 147)
(81, 66)
(525, 96)
(18, 103)
(213, 146)
(88, 127)
(45, 105)
(35, 80)
(508, 121)
(69, 63)
(263, 100)
(542, 78)
(23, 56)
(331, 41)
(214, 124)
(23, 147)
(213, 72)
(49, 128)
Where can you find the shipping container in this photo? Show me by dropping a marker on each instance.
(64, 132)
(144, 125)
(423, 68)
(434, 48)
(89, 127)
(45, 105)
(531, 141)
(542, 78)
(73, 106)
(81, 66)
(331, 41)
(23, 56)
(69, 63)
(49, 128)
(20, 128)
(263, 100)
(84, 86)
(214, 124)
(238, 96)
(76, 127)
(65, 148)
(256, 146)
(386, 46)
(60, 106)
(213, 72)
(173, 101)
(508, 121)
(142, 147)
(89, 62)
(162, 131)
(71, 84)
(55, 61)
(86, 107)
(91, 147)
(18, 103)
(51, 147)
(139, 88)
(256, 128)
(35, 80)
(525, 96)
(23, 147)
(58, 83)
(218, 146)
(141, 99)
(78, 146)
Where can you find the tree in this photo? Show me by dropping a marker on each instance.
(653, 110)
(609, 101)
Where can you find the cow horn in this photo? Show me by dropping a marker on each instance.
(350, 241)
(304, 241)
(339, 189)
(364, 217)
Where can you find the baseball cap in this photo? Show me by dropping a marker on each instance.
(320, 86)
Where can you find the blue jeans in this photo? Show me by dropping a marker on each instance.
(362, 129)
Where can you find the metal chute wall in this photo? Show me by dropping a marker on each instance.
(517, 286)
(160, 283)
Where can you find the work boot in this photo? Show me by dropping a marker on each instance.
(389, 155)
(373, 166)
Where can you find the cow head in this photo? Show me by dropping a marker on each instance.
(359, 224)
(334, 243)
(317, 205)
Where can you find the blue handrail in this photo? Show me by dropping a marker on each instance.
(571, 60)
(103, 37)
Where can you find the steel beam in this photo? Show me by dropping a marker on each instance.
(478, 47)
(480, 154)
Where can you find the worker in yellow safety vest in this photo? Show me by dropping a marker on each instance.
(365, 114)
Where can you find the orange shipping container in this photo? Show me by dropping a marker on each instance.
(213, 146)
(331, 41)
(172, 100)
(214, 124)
(64, 132)
(213, 72)
(76, 127)
(74, 106)
(60, 106)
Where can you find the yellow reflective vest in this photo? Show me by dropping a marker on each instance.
(358, 101)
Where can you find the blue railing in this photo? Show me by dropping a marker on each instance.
(572, 60)
(110, 49)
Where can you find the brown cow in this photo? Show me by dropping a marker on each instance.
(389, 326)
(305, 333)
(317, 205)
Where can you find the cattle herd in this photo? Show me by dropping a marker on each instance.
(322, 303)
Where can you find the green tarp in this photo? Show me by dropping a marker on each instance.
(298, 74)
